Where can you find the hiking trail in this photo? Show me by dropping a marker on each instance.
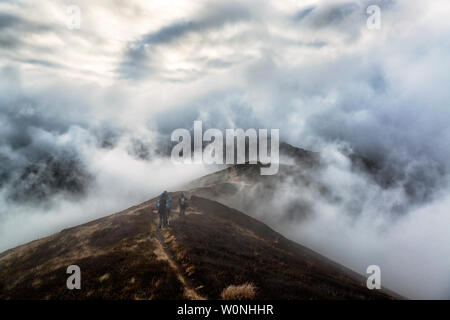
(165, 254)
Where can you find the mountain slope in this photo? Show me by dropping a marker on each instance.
(125, 256)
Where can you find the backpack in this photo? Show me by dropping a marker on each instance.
(169, 202)
(183, 202)
(162, 203)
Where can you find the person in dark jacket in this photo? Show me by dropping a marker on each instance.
(183, 204)
(168, 207)
(162, 205)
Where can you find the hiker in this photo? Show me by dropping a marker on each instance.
(163, 206)
(183, 204)
(168, 207)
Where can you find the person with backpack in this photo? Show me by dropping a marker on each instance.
(183, 204)
(163, 206)
(168, 207)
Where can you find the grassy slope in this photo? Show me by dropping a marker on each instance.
(215, 246)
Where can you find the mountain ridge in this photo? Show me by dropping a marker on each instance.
(125, 256)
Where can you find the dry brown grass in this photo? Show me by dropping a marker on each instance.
(245, 291)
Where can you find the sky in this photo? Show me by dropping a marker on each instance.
(84, 113)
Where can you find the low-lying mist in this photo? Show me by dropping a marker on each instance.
(342, 211)
(37, 200)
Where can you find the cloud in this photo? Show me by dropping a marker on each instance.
(10, 21)
(301, 14)
(137, 61)
(334, 14)
(13, 29)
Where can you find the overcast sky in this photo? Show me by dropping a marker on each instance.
(83, 109)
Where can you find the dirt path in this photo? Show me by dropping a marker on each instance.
(165, 254)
